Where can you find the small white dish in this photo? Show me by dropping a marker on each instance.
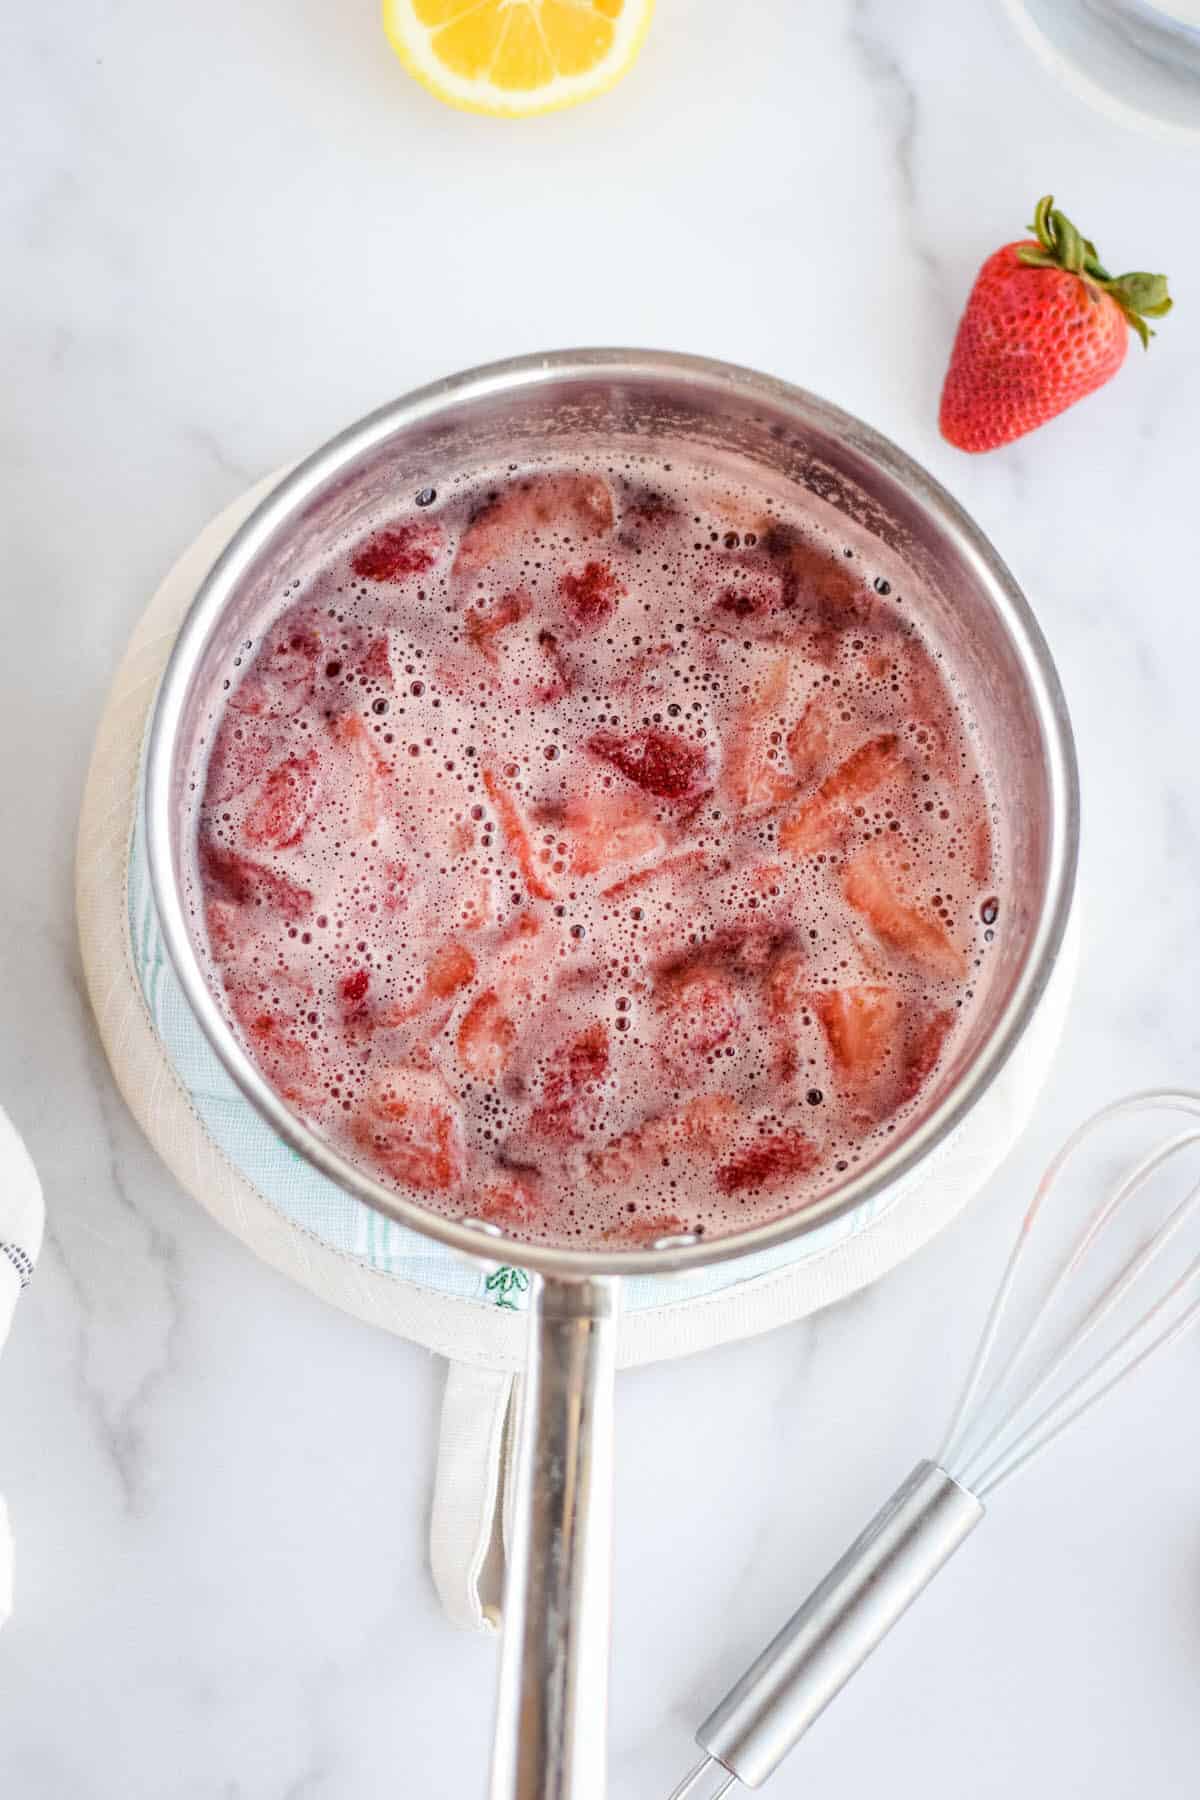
(1136, 61)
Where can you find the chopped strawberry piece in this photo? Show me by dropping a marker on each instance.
(646, 515)
(229, 929)
(815, 579)
(510, 1199)
(284, 1054)
(875, 762)
(462, 677)
(283, 674)
(376, 662)
(646, 507)
(871, 889)
(883, 1047)
(451, 968)
(589, 1057)
(539, 505)
(981, 853)
(487, 1038)
(745, 950)
(354, 987)
(516, 835)
(459, 839)
(664, 764)
(746, 600)
(525, 943)
(768, 1163)
(785, 990)
(393, 886)
(820, 822)
(587, 1062)
(243, 748)
(688, 863)
(753, 780)
(812, 740)
(408, 1123)
(861, 1026)
(702, 1012)
(230, 876)
(559, 678)
(784, 983)
(751, 600)
(485, 623)
(591, 597)
(934, 739)
(767, 878)
(478, 902)
(646, 1230)
(705, 1123)
(605, 829)
(570, 1085)
(347, 650)
(285, 804)
(355, 787)
(922, 1050)
(279, 1042)
(358, 1016)
(701, 1127)
(399, 551)
(647, 674)
(772, 691)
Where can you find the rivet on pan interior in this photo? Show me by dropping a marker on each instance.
(680, 1241)
(483, 1225)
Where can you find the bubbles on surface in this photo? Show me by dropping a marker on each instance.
(600, 852)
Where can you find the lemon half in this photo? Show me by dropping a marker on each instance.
(517, 57)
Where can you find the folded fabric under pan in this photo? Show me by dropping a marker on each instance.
(223, 1153)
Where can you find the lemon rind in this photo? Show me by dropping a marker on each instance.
(410, 41)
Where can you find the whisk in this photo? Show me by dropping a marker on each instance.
(1098, 1309)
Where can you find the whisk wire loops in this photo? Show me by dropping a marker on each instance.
(998, 1426)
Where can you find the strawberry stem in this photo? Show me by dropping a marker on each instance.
(1060, 246)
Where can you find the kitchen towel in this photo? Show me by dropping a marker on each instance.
(21, 1225)
(303, 1224)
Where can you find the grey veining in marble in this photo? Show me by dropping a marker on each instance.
(231, 229)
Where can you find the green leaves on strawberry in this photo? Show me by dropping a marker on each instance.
(1059, 246)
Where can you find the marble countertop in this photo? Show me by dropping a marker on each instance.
(234, 228)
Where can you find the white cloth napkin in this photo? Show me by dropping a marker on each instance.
(21, 1221)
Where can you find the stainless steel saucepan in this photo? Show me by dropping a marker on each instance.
(551, 1726)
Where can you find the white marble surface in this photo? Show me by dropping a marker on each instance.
(232, 228)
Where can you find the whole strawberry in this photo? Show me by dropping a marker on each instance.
(1045, 325)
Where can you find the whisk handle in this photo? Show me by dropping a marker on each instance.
(840, 1623)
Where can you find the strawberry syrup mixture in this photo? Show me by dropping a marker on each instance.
(599, 852)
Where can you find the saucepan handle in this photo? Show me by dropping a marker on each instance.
(552, 1711)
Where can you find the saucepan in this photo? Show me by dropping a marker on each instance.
(550, 1735)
